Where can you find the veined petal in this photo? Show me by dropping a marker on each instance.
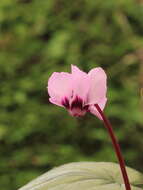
(101, 104)
(59, 86)
(98, 87)
(80, 83)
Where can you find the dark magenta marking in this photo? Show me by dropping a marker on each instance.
(65, 103)
(86, 107)
(77, 103)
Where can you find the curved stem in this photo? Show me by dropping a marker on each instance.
(116, 147)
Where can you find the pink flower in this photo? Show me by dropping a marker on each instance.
(78, 91)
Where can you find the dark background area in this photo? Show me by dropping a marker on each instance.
(40, 37)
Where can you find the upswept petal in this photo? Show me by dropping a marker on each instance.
(98, 86)
(56, 102)
(59, 86)
(101, 104)
(80, 83)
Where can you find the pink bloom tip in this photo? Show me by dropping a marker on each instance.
(78, 91)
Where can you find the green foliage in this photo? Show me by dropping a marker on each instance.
(40, 37)
(85, 176)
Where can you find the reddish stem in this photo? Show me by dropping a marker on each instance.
(116, 147)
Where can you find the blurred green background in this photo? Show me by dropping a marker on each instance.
(40, 37)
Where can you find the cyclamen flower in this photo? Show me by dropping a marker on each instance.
(78, 91)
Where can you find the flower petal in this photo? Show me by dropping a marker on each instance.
(98, 87)
(80, 83)
(101, 104)
(58, 103)
(59, 86)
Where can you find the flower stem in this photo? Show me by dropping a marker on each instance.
(116, 147)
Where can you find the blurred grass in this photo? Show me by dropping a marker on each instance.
(39, 37)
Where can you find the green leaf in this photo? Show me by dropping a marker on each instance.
(86, 176)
